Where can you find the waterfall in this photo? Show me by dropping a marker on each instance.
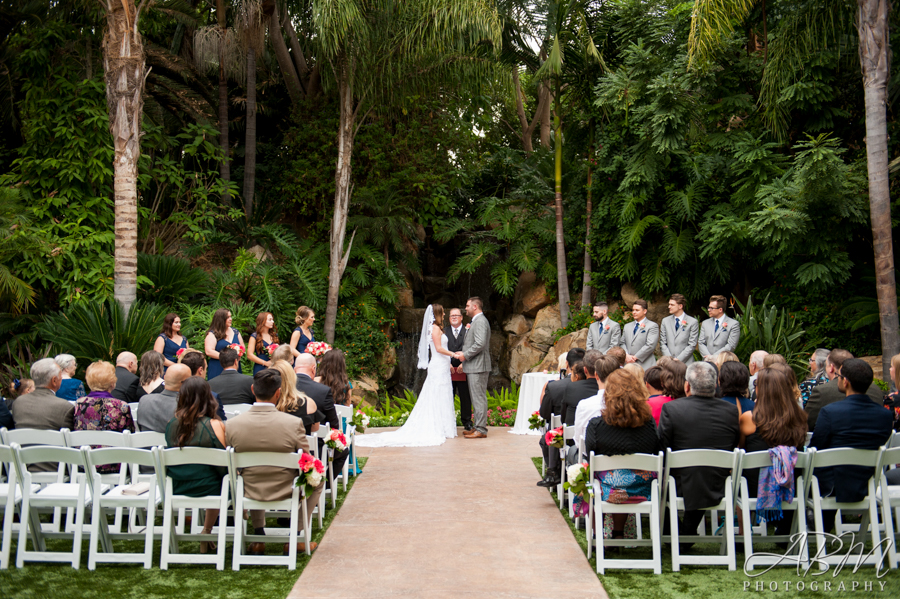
(407, 360)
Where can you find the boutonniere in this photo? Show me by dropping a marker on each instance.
(684, 323)
(468, 326)
(643, 326)
(724, 325)
(607, 327)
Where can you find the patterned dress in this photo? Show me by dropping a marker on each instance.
(892, 403)
(100, 411)
(808, 385)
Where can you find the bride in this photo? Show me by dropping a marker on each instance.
(433, 419)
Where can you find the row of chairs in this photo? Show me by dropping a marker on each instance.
(76, 485)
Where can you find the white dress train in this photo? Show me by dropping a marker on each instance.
(433, 419)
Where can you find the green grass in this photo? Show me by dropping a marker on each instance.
(184, 581)
(716, 582)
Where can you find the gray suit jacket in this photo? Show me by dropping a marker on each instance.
(156, 409)
(604, 335)
(43, 410)
(642, 344)
(679, 344)
(477, 346)
(726, 339)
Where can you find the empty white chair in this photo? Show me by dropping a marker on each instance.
(10, 498)
(598, 508)
(290, 505)
(177, 456)
(122, 496)
(709, 458)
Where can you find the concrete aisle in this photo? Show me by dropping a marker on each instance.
(463, 519)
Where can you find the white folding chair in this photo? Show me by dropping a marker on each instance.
(328, 453)
(761, 459)
(313, 442)
(79, 439)
(74, 494)
(290, 505)
(133, 406)
(568, 435)
(119, 499)
(598, 508)
(237, 409)
(868, 507)
(714, 458)
(147, 440)
(177, 456)
(888, 497)
(10, 498)
(345, 413)
(27, 437)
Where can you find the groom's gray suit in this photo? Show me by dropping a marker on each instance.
(477, 366)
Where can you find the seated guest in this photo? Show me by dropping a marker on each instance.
(756, 364)
(196, 361)
(264, 428)
(637, 371)
(42, 409)
(773, 359)
(155, 410)
(892, 400)
(723, 357)
(71, 388)
(551, 403)
(829, 393)
(332, 371)
(17, 388)
(699, 421)
(152, 371)
(283, 352)
(625, 427)
(128, 385)
(579, 390)
(619, 354)
(99, 410)
(592, 407)
(653, 383)
(672, 379)
(305, 367)
(232, 386)
(817, 375)
(855, 422)
(734, 379)
(195, 424)
(294, 402)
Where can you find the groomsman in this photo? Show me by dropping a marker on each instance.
(718, 333)
(456, 335)
(678, 332)
(604, 332)
(639, 339)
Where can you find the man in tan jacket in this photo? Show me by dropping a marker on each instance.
(264, 428)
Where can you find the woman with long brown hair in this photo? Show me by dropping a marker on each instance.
(265, 336)
(221, 334)
(332, 371)
(170, 340)
(195, 424)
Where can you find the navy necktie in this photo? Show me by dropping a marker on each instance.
(717, 327)
(677, 322)
(633, 333)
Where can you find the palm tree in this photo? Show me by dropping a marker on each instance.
(252, 26)
(379, 50)
(812, 28)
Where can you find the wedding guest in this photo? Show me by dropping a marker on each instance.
(71, 388)
(892, 400)
(828, 393)
(332, 371)
(196, 361)
(264, 336)
(773, 359)
(678, 332)
(294, 402)
(232, 386)
(303, 334)
(756, 364)
(639, 339)
(625, 427)
(551, 403)
(664, 361)
(637, 372)
(734, 379)
(155, 410)
(579, 390)
(725, 356)
(195, 424)
(592, 407)
(99, 410)
(152, 371)
(672, 379)
(817, 374)
(42, 409)
(718, 332)
(128, 385)
(221, 334)
(21, 387)
(170, 340)
(283, 352)
(619, 354)
(604, 333)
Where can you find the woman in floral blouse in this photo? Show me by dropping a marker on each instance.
(99, 410)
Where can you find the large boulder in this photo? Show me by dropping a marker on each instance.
(365, 391)
(546, 324)
(387, 364)
(530, 296)
(498, 345)
(409, 320)
(405, 298)
(629, 294)
(523, 358)
(565, 343)
(516, 325)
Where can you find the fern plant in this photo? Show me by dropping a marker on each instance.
(172, 279)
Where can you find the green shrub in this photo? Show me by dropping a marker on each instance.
(363, 338)
(775, 331)
(171, 279)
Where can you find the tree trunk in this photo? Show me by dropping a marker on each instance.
(123, 64)
(225, 166)
(543, 113)
(586, 281)
(250, 140)
(875, 57)
(346, 131)
(562, 279)
(291, 80)
(520, 110)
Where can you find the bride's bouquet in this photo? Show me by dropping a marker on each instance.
(554, 438)
(360, 421)
(311, 473)
(536, 422)
(336, 440)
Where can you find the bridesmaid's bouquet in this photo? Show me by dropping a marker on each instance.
(360, 421)
(311, 473)
(240, 349)
(270, 349)
(317, 348)
(536, 421)
(554, 438)
(336, 440)
(180, 351)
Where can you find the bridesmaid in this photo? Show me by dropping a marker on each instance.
(170, 340)
(303, 334)
(220, 335)
(257, 346)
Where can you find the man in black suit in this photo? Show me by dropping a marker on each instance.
(828, 393)
(855, 422)
(305, 367)
(196, 361)
(578, 390)
(456, 334)
(128, 385)
(551, 403)
(232, 386)
(699, 421)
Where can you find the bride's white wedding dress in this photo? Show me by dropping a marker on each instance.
(433, 419)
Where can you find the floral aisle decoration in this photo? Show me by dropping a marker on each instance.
(554, 438)
(360, 421)
(578, 482)
(536, 421)
(336, 441)
(312, 471)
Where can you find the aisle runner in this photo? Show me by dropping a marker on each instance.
(463, 519)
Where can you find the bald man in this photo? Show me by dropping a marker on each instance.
(155, 410)
(128, 385)
(305, 367)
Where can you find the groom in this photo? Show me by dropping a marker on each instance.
(476, 361)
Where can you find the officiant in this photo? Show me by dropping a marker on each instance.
(456, 334)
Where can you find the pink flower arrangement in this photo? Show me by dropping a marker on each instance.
(554, 437)
(240, 349)
(311, 472)
(270, 349)
(536, 421)
(336, 440)
(318, 348)
(179, 352)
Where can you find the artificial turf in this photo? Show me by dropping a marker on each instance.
(184, 581)
(716, 582)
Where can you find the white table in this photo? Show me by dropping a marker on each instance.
(530, 400)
